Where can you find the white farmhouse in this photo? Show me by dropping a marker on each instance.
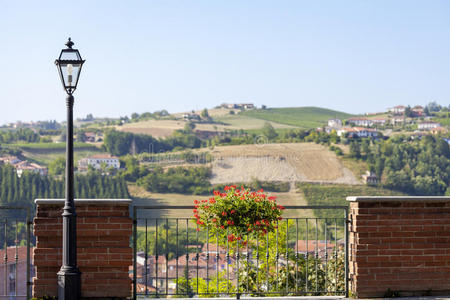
(335, 123)
(96, 161)
(428, 125)
(357, 132)
(360, 122)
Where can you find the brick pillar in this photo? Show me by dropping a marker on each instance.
(401, 244)
(104, 228)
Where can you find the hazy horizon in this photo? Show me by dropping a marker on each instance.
(350, 56)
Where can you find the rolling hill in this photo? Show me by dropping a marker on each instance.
(306, 117)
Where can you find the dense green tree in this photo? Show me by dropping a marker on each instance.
(269, 131)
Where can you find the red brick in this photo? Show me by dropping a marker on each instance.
(104, 254)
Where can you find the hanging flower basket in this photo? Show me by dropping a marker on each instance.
(238, 213)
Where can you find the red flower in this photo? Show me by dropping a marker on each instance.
(195, 210)
(257, 223)
(217, 193)
(280, 218)
(239, 238)
(223, 227)
(226, 188)
(272, 198)
(232, 211)
(198, 229)
(196, 201)
(261, 190)
(230, 222)
(212, 200)
(224, 213)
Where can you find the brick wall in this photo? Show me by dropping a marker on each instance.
(401, 244)
(104, 228)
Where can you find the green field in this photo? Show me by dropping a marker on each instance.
(55, 147)
(44, 153)
(306, 117)
(335, 195)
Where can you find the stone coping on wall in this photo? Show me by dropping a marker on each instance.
(399, 198)
(84, 201)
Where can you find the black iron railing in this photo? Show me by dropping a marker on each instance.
(303, 256)
(15, 239)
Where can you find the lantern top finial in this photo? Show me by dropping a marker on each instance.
(69, 43)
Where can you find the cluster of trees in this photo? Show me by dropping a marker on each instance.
(135, 117)
(19, 135)
(120, 143)
(418, 167)
(194, 180)
(268, 134)
(21, 191)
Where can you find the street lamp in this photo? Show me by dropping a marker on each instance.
(69, 66)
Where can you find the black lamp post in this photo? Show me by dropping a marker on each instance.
(69, 66)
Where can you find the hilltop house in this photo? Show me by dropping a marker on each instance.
(397, 110)
(238, 105)
(92, 137)
(192, 116)
(398, 120)
(335, 123)
(370, 178)
(357, 132)
(23, 165)
(360, 122)
(379, 121)
(31, 167)
(428, 125)
(417, 111)
(96, 161)
(12, 160)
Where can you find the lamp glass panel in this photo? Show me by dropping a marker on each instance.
(70, 80)
(70, 55)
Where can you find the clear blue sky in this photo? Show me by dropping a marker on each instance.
(352, 56)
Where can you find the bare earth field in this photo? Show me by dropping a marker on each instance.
(143, 198)
(306, 162)
(156, 128)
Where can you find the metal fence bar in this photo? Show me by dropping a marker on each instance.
(346, 224)
(13, 235)
(316, 279)
(5, 259)
(134, 252)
